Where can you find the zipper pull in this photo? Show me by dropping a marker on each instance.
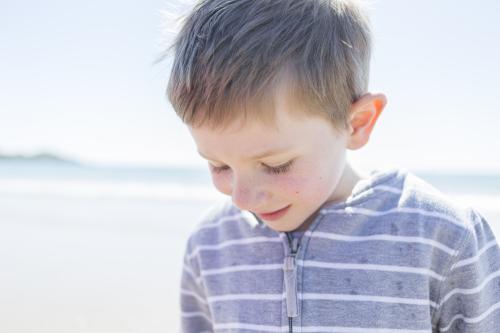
(290, 273)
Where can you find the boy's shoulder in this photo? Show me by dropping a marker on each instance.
(397, 203)
(414, 201)
(404, 199)
(417, 193)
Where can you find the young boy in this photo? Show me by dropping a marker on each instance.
(274, 92)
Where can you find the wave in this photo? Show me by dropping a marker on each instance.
(108, 189)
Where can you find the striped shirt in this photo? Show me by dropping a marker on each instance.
(396, 256)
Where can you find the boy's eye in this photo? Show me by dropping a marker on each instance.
(274, 170)
(280, 168)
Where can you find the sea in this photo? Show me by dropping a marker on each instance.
(99, 249)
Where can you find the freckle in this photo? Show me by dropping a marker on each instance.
(348, 280)
(353, 292)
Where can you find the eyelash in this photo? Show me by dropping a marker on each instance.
(272, 170)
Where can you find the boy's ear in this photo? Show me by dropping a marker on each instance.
(363, 116)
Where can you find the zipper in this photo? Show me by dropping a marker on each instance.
(290, 274)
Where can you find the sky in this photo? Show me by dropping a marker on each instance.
(78, 79)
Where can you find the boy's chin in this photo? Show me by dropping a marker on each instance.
(283, 226)
(278, 228)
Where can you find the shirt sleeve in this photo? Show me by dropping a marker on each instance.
(195, 312)
(470, 293)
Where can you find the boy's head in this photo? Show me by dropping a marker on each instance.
(290, 76)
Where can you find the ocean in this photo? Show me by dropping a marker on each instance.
(99, 249)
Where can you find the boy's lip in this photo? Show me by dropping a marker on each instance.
(274, 215)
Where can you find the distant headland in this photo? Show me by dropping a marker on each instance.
(41, 157)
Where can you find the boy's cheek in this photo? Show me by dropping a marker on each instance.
(307, 189)
(291, 188)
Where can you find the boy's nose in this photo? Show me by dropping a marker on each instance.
(248, 195)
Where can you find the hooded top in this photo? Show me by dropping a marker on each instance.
(396, 256)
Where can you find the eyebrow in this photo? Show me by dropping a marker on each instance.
(261, 155)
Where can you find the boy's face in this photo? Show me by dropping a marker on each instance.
(291, 168)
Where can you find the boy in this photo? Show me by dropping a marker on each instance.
(273, 93)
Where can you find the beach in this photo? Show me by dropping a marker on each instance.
(114, 268)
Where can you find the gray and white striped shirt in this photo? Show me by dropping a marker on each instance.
(396, 256)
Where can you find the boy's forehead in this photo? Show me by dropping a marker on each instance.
(221, 145)
(251, 138)
(254, 138)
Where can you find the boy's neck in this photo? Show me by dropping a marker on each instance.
(350, 177)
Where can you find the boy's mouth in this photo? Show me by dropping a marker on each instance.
(271, 216)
